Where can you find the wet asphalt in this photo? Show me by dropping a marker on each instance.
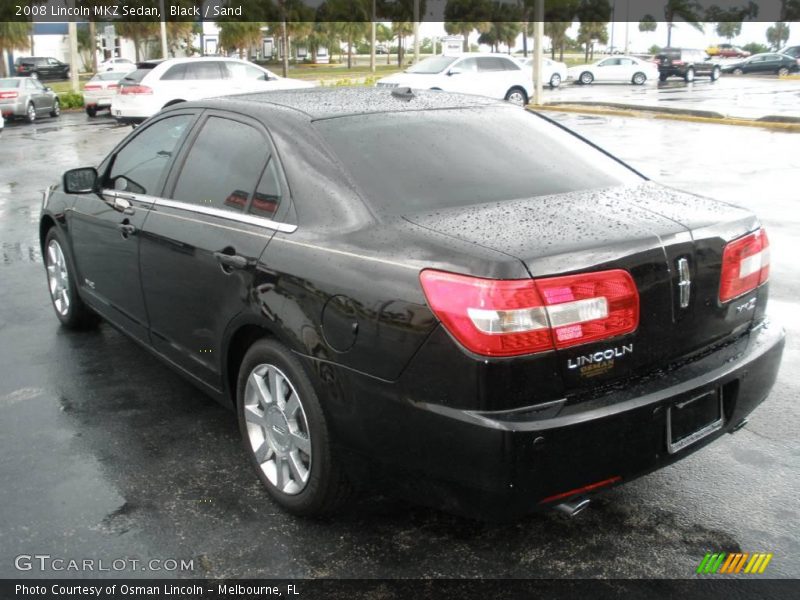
(105, 453)
(746, 96)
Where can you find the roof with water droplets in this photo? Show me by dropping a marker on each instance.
(325, 103)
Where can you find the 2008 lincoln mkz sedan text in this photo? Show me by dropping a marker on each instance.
(444, 293)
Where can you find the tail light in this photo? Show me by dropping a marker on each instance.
(113, 86)
(7, 95)
(745, 265)
(496, 317)
(92, 86)
(135, 89)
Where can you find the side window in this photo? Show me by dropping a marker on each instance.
(468, 65)
(175, 72)
(52, 61)
(268, 194)
(625, 61)
(204, 70)
(609, 62)
(141, 164)
(490, 64)
(222, 168)
(247, 72)
(510, 65)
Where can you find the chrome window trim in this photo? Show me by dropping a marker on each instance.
(224, 214)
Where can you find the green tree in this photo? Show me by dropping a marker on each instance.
(557, 32)
(384, 35)
(778, 35)
(401, 29)
(239, 35)
(654, 49)
(590, 33)
(729, 29)
(14, 35)
(139, 32)
(755, 48)
(648, 23)
(463, 16)
(685, 10)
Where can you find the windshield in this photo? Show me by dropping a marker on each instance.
(432, 65)
(9, 83)
(410, 161)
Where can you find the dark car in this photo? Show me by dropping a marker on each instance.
(41, 67)
(793, 51)
(687, 64)
(771, 62)
(490, 320)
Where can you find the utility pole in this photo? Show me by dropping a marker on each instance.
(538, 42)
(285, 44)
(163, 29)
(416, 31)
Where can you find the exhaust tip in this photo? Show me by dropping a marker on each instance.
(572, 507)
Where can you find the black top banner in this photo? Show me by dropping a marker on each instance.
(467, 11)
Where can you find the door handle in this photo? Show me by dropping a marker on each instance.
(231, 261)
(127, 229)
(123, 204)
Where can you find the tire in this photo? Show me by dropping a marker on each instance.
(639, 79)
(517, 95)
(738, 71)
(30, 113)
(689, 76)
(586, 78)
(287, 439)
(555, 80)
(91, 111)
(662, 76)
(56, 109)
(67, 304)
(783, 71)
(715, 73)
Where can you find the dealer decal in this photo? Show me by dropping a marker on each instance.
(598, 362)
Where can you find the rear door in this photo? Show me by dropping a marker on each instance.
(202, 241)
(205, 78)
(607, 70)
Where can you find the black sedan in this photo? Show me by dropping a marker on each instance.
(390, 292)
(780, 64)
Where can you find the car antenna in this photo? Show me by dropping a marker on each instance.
(404, 93)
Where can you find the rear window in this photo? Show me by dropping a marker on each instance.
(411, 161)
(137, 75)
(670, 53)
(9, 83)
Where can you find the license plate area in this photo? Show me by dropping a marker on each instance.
(691, 420)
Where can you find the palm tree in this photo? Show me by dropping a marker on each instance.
(401, 29)
(686, 10)
(385, 35)
(464, 16)
(137, 31)
(239, 35)
(13, 36)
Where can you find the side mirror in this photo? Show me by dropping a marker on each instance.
(80, 181)
(454, 72)
(48, 89)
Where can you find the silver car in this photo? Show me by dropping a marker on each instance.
(26, 98)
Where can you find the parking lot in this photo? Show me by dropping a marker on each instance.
(106, 453)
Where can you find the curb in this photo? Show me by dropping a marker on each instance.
(777, 122)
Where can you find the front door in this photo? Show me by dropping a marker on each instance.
(106, 226)
(202, 241)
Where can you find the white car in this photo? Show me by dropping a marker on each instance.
(553, 72)
(157, 84)
(119, 65)
(99, 91)
(493, 75)
(627, 69)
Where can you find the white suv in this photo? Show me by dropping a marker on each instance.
(160, 83)
(493, 75)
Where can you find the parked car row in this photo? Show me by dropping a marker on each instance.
(26, 98)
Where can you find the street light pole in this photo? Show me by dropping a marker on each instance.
(416, 31)
(72, 30)
(372, 40)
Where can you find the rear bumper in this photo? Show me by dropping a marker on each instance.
(13, 108)
(503, 465)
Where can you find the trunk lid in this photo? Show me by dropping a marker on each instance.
(648, 230)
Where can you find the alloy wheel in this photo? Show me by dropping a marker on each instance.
(587, 78)
(555, 80)
(516, 97)
(56, 108)
(58, 278)
(639, 79)
(277, 429)
(31, 112)
(783, 71)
